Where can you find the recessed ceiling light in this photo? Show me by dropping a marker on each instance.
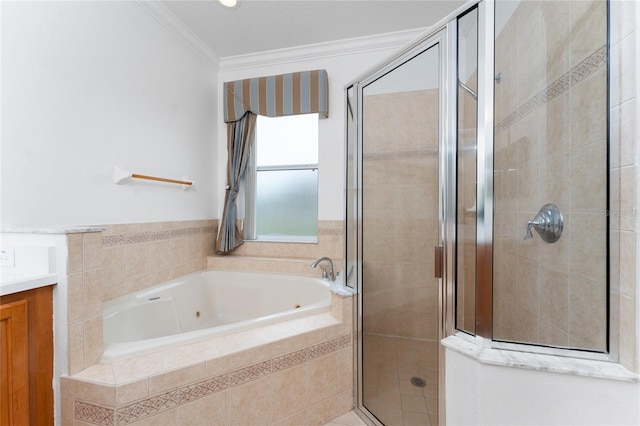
(229, 3)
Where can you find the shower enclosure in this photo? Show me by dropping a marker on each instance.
(478, 198)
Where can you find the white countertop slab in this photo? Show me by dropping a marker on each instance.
(14, 283)
(52, 230)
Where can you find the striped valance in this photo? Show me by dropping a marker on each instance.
(278, 95)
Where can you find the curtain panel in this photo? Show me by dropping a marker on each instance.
(240, 135)
(278, 95)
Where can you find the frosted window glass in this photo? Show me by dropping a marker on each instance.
(287, 204)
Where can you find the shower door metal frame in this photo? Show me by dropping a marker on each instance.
(443, 35)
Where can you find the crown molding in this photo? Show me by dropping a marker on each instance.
(365, 44)
(172, 23)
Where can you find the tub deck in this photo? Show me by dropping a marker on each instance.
(306, 362)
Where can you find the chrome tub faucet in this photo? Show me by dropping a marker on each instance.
(326, 275)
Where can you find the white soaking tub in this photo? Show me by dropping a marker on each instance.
(205, 304)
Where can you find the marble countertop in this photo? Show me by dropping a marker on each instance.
(553, 363)
(52, 230)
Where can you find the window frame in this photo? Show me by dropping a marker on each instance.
(249, 194)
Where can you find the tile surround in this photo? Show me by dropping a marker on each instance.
(123, 258)
(594, 62)
(550, 139)
(113, 260)
(85, 410)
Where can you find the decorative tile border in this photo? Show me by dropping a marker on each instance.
(143, 237)
(402, 155)
(133, 412)
(578, 73)
(111, 416)
(98, 415)
(330, 231)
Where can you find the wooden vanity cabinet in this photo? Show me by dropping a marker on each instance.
(26, 358)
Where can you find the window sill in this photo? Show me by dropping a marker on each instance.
(540, 362)
(284, 239)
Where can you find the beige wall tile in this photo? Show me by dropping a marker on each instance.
(93, 293)
(628, 330)
(93, 346)
(589, 28)
(251, 403)
(92, 250)
(75, 260)
(628, 76)
(588, 246)
(289, 392)
(587, 313)
(166, 418)
(298, 419)
(137, 260)
(554, 298)
(74, 298)
(114, 261)
(322, 377)
(136, 368)
(76, 348)
(210, 410)
(171, 379)
(588, 179)
(228, 363)
(132, 391)
(322, 412)
(160, 253)
(628, 259)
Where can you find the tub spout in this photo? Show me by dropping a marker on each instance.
(330, 275)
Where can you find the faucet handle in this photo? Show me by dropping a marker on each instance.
(325, 274)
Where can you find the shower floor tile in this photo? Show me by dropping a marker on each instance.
(390, 364)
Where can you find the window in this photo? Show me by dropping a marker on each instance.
(281, 200)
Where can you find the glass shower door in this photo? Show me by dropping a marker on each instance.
(400, 112)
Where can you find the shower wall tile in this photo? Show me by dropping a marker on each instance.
(587, 320)
(628, 331)
(557, 129)
(588, 178)
(556, 126)
(628, 198)
(555, 17)
(628, 115)
(588, 27)
(587, 254)
(628, 258)
(628, 72)
(588, 107)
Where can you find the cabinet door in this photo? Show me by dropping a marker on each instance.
(14, 364)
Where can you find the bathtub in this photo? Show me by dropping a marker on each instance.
(206, 304)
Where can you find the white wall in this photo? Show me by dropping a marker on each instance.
(89, 85)
(480, 394)
(344, 62)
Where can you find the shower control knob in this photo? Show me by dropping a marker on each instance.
(548, 223)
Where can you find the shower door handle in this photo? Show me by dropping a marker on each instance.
(437, 269)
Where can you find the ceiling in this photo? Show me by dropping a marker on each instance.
(263, 25)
